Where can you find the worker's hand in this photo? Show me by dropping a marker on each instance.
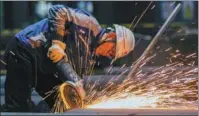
(56, 51)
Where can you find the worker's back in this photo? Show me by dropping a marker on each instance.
(79, 32)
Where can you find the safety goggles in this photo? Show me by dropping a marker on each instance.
(110, 36)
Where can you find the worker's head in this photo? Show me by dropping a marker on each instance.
(115, 42)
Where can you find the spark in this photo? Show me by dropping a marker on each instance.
(176, 55)
(191, 55)
(56, 75)
(124, 65)
(158, 47)
(132, 22)
(179, 31)
(177, 50)
(168, 86)
(12, 53)
(141, 16)
(164, 87)
(182, 39)
(172, 3)
(3, 62)
(135, 3)
(59, 104)
(152, 7)
(130, 102)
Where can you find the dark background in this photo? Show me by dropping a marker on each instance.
(16, 15)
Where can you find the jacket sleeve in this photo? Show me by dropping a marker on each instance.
(58, 17)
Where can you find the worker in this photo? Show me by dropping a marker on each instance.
(71, 34)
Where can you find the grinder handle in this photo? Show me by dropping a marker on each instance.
(66, 71)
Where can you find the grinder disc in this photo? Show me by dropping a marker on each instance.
(71, 96)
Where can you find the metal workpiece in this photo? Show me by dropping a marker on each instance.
(121, 112)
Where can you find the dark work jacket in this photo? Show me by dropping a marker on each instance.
(78, 29)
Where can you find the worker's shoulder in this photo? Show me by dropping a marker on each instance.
(35, 28)
(73, 11)
(83, 16)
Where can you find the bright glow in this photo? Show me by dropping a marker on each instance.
(127, 103)
(169, 86)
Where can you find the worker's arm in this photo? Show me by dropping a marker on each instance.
(58, 17)
(66, 72)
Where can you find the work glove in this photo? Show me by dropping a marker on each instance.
(56, 51)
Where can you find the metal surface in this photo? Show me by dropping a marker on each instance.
(123, 112)
(154, 41)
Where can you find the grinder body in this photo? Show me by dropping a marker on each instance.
(71, 91)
